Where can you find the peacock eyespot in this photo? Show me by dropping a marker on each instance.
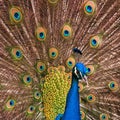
(27, 80)
(104, 116)
(16, 15)
(96, 41)
(41, 67)
(93, 42)
(113, 86)
(37, 95)
(90, 7)
(91, 98)
(70, 62)
(67, 32)
(10, 104)
(16, 54)
(53, 53)
(31, 109)
(82, 113)
(90, 69)
(40, 34)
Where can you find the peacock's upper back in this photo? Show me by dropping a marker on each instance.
(37, 41)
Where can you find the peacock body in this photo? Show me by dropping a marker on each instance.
(40, 43)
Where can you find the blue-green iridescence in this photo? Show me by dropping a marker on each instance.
(88, 9)
(53, 54)
(12, 102)
(103, 117)
(94, 42)
(18, 54)
(90, 97)
(41, 67)
(88, 70)
(70, 63)
(29, 79)
(66, 33)
(41, 35)
(31, 108)
(17, 16)
(112, 85)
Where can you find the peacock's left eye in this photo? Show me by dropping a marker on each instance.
(53, 53)
(10, 104)
(90, 69)
(37, 95)
(16, 15)
(27, 80)
(41, 67)
(95, 41)
(31, 109)
(66, 32)
(113, 86)
(82, 114)
(41, 33)
(70, 62)
(90, 7)
(16, 54)
(104, 116)
(91, 98)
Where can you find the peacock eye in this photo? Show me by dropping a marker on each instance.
(16, 54)
(10, 104)
(90, 69)
(90, 7)
(40, 34)
(91, 98)
(81, 87)
(31, 109)
(37, 95)
(104, 116)
(41, 67)
(82, 113)
(113, 86)
(70, 62)
(27, 80)
(66, 32)
(53, 1)
(95, 41)
(53, 53)
(16, 15)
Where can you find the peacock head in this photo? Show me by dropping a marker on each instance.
(80, 71)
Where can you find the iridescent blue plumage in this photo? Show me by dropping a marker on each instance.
(72, 109)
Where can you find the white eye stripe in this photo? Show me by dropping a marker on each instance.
(76, 72)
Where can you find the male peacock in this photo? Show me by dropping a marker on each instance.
(40, 43)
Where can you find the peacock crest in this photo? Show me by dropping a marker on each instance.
(40, 43)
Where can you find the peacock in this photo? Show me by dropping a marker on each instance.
(59, 60)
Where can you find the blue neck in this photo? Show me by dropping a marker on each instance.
(72, 110)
